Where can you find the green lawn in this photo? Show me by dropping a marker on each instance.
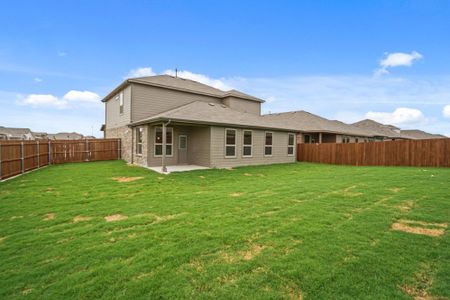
(282, 231)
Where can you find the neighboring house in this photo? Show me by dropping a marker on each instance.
(40, 135)
(9, 133)
(315, 129)
(380, 132)
(164, 120)
(415, 134)
(65, 136)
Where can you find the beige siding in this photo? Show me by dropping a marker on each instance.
(199, 146)
(251, 107)
(114, 118)
(279, 151)
(150, 100)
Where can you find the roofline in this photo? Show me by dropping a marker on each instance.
(163, 119)
(128, 81)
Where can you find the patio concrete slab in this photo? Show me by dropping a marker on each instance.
(179, 168)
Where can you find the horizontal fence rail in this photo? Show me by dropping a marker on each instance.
(420, 153)
(18, 157)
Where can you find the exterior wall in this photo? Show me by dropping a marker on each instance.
(328, 138)
(125, 135)
(247, 106)
(279, 150)
(114, 118)
(199, 146)
(150, 100)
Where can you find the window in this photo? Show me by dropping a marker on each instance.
(345, 139)
(306, 138)
(268, 144)
(159, 141)
(291, 144)
(120, 98)
(182, 142)
(139, 137)
(356, 140)
(247, 144)
(230, 143)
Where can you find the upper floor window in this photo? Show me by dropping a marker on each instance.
(291, 144)
(121, 103)
(230, 143)
(268, 143)
(159, 141)
(247, 143)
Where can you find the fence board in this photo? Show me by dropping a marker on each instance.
(421, 153)
(17, 157)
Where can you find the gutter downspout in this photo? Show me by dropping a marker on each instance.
(164, 142)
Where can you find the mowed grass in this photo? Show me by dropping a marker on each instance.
(295, 231)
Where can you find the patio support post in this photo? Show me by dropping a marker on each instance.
(163, 162)
(320, 137)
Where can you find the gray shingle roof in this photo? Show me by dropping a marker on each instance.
(182, 84)
(416, 134)
(378, 129)
(308, 122)
(199, 112)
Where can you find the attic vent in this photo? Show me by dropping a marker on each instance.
(211, 104)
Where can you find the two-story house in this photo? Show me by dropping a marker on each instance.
(165, 120)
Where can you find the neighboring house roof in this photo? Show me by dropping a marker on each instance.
(379, 129)
(416, 134)
(308, 122)
(181, 84)
(16, 133)
(65, 136)
(200, 112)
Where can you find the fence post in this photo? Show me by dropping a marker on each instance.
(88, 158)
(22, 160)
(49, 153)
(38, 153)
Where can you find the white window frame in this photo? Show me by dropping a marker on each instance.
(247, 145)
(291, 146)
(231, 145)
(121, 104)
(161, 144)
(139, 132)
(265, 145)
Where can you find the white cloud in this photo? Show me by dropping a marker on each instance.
(70, 99)
(82, 96)
(446, 111)
(37, 79)
(400, 116)
(41, 100)
(140, 72)
(217, 83)
(397, 59)
(61, 53)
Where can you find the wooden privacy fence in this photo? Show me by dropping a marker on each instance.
(421, 153)
(18, 157)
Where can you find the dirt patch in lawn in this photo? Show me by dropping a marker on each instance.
(81, 219)
(348, 192)
(423, 282)
(423, 229)
(247, 174)
(236, 194)
(126, 179)
(116, 217)
(49, 217)
(246, 255)
(406, 206)
(2, 238)
(395, 189)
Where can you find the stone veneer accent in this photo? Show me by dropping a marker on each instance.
(125, 135)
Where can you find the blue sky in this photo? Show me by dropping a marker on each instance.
(348, 60)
